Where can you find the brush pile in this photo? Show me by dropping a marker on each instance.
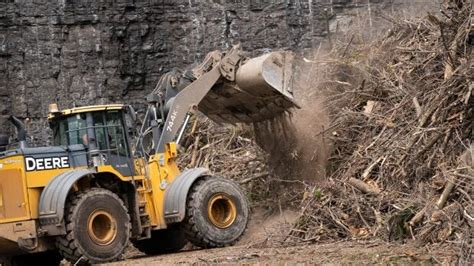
(401, 113)
(232, 152)
(402, 118)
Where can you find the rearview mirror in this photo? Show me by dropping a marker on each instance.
(133, 114)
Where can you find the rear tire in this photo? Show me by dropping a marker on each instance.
(98, 227)
(217, 213)
(162, 242)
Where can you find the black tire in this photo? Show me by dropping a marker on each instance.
(162, 242)
(198, 225)
(98, 227)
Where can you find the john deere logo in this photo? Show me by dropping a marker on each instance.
(49, 163)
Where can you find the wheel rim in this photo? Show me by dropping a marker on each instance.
(221, 211)
(102, 227)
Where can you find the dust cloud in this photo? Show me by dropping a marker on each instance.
(295, 141)
(268, 227)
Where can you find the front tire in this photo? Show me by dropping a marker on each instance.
(217, 213)
(98, 227)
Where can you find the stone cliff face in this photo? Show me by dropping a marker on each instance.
(94, 52)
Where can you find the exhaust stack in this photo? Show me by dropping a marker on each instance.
(20, 131)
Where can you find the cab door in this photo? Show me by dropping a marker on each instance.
(112, 141)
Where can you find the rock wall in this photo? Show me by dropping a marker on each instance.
(102, 51)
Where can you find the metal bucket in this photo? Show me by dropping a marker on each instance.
(262, 90)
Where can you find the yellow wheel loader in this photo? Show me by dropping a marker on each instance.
(108, 182)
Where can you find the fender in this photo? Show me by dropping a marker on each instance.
(53, 200)
(177, 194)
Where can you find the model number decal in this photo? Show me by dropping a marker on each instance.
(173, 116)
(48, 163)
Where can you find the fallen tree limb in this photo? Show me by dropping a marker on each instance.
(362, 186)
(444, 196)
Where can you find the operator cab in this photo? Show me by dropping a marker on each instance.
(103, 130)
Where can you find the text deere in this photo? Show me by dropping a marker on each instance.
(48, 163)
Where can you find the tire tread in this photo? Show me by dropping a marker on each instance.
(67, 244)
(189, 224)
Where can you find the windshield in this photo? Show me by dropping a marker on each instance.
(70, 130)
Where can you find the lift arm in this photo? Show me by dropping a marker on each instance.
(228, 88)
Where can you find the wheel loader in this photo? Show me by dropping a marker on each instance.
(111, 179)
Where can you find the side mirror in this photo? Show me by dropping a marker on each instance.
(133, 114)
(131, 121)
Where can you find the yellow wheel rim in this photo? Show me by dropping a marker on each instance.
(102, 227)
(221, 211)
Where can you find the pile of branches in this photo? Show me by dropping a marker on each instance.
(402, 118)
(232, 152)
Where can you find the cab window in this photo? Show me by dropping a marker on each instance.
(99, 130)
(116, 134)
(70, 130)
(108, 126)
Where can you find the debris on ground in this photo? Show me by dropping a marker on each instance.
(338, 253)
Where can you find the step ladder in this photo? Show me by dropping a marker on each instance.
(144, 218)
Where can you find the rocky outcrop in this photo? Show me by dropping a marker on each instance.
(78, 52)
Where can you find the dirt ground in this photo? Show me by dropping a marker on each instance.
(264, 229)
(345, 253)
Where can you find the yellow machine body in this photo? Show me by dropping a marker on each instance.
(20, 190)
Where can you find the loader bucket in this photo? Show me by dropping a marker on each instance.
(262, 90)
